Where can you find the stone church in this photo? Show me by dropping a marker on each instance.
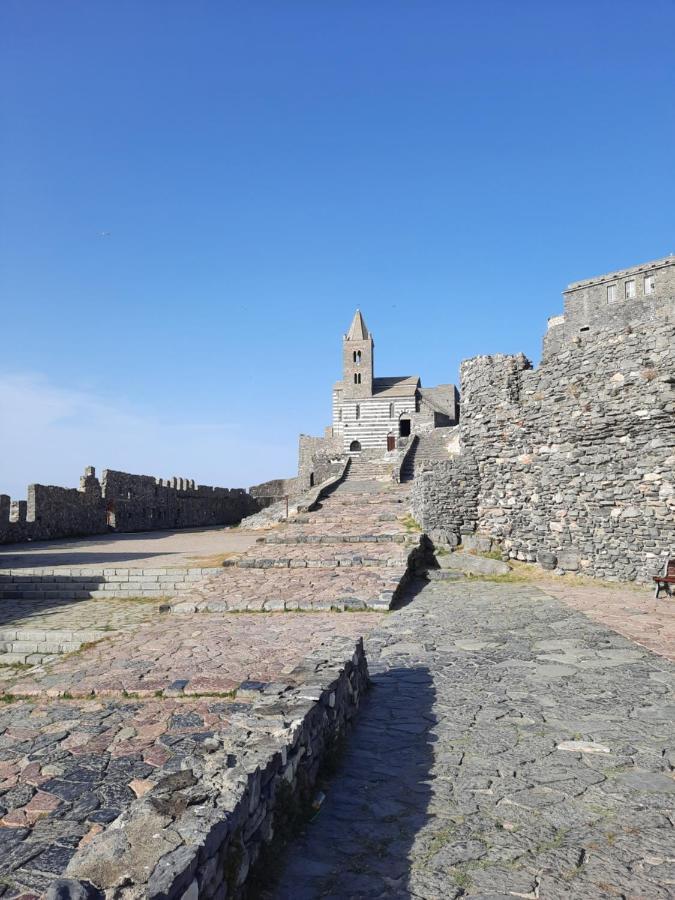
(374, 417)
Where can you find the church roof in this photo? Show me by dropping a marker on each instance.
(400, 386)
(357, 330)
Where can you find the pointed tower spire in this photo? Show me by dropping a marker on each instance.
(357, 359)
(357, 330)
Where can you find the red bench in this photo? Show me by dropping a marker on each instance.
(665, 580)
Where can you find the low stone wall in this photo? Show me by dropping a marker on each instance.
(208, 829)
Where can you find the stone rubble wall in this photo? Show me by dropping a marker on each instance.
(319, 458)
(119, 502)
(206, 829)
(269, 492)
(445, 498)
(144, 503)
(575, 459)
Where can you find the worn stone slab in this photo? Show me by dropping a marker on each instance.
(470, 773)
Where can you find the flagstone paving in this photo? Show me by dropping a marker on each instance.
(510, 747)
(100, 615)
(105, 725)
(632, 612)
(351, 553)
(199, 655)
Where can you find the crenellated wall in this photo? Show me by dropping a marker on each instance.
(120, 502)
(575, 460)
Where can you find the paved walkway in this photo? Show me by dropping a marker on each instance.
(145, 549)
(632, 612)
(206, 655)
(350, 553)
(510, 747)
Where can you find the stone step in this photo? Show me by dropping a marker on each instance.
(327, 562)
(395, 538)
(443, 575)
(33, 645)
(21, 659)
(46, 634)
(102, 591)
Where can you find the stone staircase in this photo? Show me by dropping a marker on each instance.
(427, 448)
(62, 584)
(21, 646)
(364, 469)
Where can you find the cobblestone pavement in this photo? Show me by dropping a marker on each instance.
(308, 589)
(633, 613)
(100, 615)
(352, 553)
(510, 747)
(202, 654)
(70, 764)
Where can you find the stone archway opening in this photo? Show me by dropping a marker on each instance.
(404, 427)
(355, 447)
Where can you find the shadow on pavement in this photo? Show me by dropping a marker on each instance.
(358, 845)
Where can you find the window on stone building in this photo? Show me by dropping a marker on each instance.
(340, 414)
(358, 358)
(650, 284)
(611, 293)
(630, 289)
(358, 411)
(391, 410)
(357, 378)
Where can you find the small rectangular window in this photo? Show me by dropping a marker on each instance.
(611, 293)
(650, 284)
(630, 289)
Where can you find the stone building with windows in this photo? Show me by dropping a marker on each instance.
(374, 417)
(613, 301)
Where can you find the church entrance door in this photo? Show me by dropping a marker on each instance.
(391, 442)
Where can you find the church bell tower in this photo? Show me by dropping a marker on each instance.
(357, 360)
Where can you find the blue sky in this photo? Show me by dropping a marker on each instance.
(262, 169)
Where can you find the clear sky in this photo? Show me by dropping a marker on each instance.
(195, 196)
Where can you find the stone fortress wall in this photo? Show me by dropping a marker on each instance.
(638, 294)
(120, 502)
(571, 464)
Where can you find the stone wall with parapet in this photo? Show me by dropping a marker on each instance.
(319, 458)
(144, 503)
(54, 512)
(575, 460)
(206, 830)
(119, 502)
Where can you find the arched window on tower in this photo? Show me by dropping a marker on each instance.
(358, 357)
(391, 410)
(354, 356)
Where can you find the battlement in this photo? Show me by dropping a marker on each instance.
(119, 502)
